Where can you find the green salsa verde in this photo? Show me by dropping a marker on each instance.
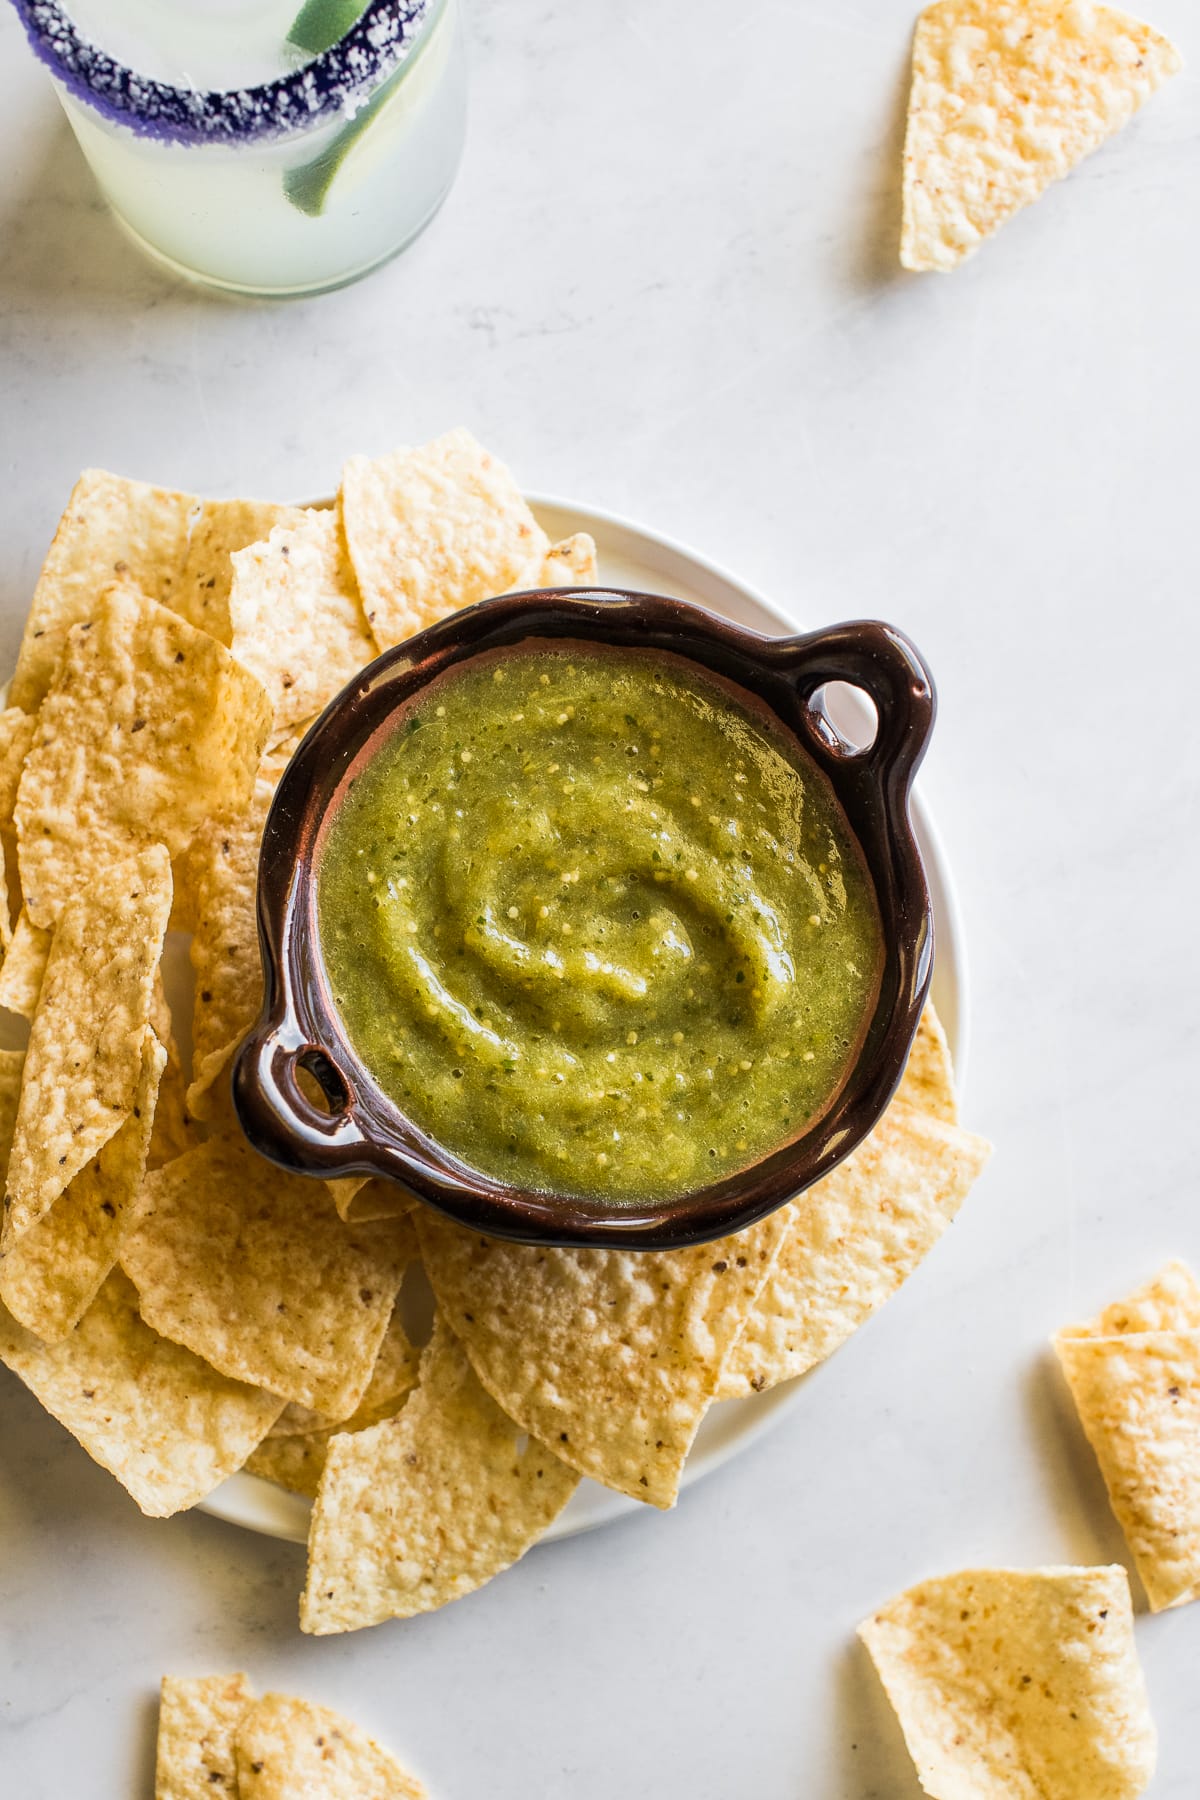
(597, 924)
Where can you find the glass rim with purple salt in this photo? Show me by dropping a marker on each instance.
(321, 90)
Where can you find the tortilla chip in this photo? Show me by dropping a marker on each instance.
(293, 1452)
(610, 1356)
(50, 1274)
(1007, 96)
(86, 1052)
(298, 621)
(175, 1132)
(572, 563)
(24, 967)
(928, 1080)
(197, 1720)
(168, 1426)
(1017, 1684)
(6, 918)
(1134, 1375)
(291, 1750)
(12, 1064)
(219, 529)
(1169, 1301)
(16, 739)
(433, 530)
(175, 547)
(150, 728)
(16, 736)
(252, 1269)
(425, 1507)
(851, 1241)
(222, 875)
(359, 1199)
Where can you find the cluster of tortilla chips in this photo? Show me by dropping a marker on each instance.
(185, 1309)
(1134, 1374)
(182, 1306)
(1018, 1684)
(215, 1737)
(1007, 96)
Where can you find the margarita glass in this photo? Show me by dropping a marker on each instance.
(256, 146)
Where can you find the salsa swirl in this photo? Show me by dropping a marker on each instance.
(597, 924)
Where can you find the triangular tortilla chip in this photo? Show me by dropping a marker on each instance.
(86, 1053)
(1015, 1684)
(429, 1505)
(298, 620)
(150, 728)
(175, 547)
(292, 1750)
(197, 1720)
(168, 1426)
(252, 1269)
(1008, 95)
(1134, 1374)
(636, 1341)
(433, 530)
(852, 1239)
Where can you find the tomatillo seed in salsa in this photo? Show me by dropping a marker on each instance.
(596, 922)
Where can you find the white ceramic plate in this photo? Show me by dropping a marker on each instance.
(632, 557)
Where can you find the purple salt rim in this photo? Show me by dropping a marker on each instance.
(371, 49)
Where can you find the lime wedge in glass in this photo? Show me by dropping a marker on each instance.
(365, 140)
(320, 24)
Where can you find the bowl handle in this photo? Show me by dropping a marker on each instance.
(279, 1118)
(888, 667)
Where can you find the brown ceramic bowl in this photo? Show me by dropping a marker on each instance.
(364, 1132)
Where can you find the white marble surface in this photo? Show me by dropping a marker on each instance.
(666, 281)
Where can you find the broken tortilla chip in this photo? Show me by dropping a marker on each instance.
(637, 1341)
(1015, 1684)
(1007, 96)
(1134, 1375)
(433, 530)
(175, 547)
(425, 1507)
(169, 1427)
(149, 729)
(252, 1269)
(298, 620)
(86, 1054)
(197, 1720)
(292, 1750)
(851, 1240)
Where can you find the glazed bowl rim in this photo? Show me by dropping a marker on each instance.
(299, 1022)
